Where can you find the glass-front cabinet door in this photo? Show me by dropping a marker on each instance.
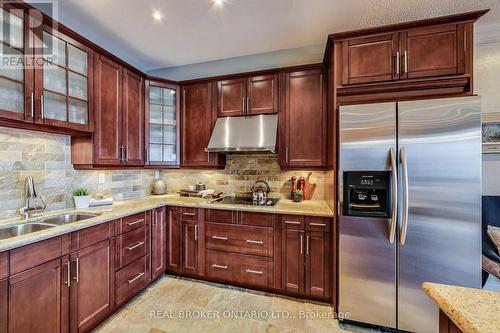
(16, 83)
(63, 83)
(162, 119)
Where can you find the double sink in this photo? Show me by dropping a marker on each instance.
(47, 223)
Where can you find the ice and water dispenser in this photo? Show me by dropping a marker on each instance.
(367, 193)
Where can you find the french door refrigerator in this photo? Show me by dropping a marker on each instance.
(409, 207)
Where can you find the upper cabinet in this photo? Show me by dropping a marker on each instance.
(417, 53)
(162, 124)
(303, 120)
(16, 83)
(248, 96)
(198, 119)
(63, 85)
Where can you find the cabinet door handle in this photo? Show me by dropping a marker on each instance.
(42, 109)
(405, 61)
(398, 65)
(135, 222)
(286, 154)
(32, 105)
(126, 153)
(208, 157)
(307, 244)
(77, 265)
(133, 247)
(301, 244)
(68, 277)
(248, 105)
(219, 266)
(243, 105)
(137, 277)
(195, 232)
(254, 241)
(254, 271)
(219, 237)
(146, 155)
(317, 224)
(189, 214)
(292, 222)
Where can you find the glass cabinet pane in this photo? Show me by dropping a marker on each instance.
(169, 153)
(54, 106)
(77, 60)
(78, 113)
(155, 153)
(155, 95)
(77, 86)
(12, 27)
(11, 96)
(168, 96)
(54, 78)
(169, 135)
(169, 114)
(155, 114)
(155, 134)
(54, 48)
(15, 69)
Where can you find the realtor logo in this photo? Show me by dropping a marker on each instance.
(25, 39)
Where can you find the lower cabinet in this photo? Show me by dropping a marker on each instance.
(158, 242)
(193, 246)
(173, 240)
(35, 302)
(132, 279)
(306, 256)
(4, 313)
(91, 277)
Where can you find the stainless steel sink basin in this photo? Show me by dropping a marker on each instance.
(23, 229)
(67, 218)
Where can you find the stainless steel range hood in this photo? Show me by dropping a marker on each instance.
(241, 134)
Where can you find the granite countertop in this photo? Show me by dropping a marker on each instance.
(128, 207)
(472, 310)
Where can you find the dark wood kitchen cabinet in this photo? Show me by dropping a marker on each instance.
(198, 119)
(174, 227)
(35, 299)
(248, 96)
(192, 240)
(4, 304)
(158, 235)
(304, 119)
(92, 286)
(118, 138)
(306, 256)
(416, 53)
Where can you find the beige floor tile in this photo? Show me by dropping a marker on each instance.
(255, 307)
(199, 295)
(225, 300)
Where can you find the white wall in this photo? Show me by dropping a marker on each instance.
(487, 85)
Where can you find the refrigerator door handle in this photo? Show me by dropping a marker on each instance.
(404, 170)
(394, 216)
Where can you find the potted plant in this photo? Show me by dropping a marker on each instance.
(298, 196)
(82, 198)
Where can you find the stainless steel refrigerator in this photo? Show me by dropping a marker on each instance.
(409, 207)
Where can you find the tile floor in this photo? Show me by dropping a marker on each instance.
(182, 305)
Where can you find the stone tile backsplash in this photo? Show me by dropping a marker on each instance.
(47, 157)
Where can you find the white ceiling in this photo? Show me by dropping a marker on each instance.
(196, 31)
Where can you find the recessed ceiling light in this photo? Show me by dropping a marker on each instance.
(157, 15)
(218, 2)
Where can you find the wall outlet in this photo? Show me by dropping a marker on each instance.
(102, 178)
(157, 173)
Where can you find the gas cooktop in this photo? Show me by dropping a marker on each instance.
(244, 201)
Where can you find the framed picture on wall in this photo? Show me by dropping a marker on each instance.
(491, 133)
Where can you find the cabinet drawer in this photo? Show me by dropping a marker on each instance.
(33, 255)
(317, 223)
(239, 268)
(258, 219)
(220, 216)
(132, 279)
(131, 246)
(188, 213)
(239, 239)
(90, 236)
(131, 222)
(293, 221)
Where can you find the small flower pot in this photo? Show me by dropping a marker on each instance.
(298, 197)
(82, 202)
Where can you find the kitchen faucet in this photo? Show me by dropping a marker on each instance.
(31, 194)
